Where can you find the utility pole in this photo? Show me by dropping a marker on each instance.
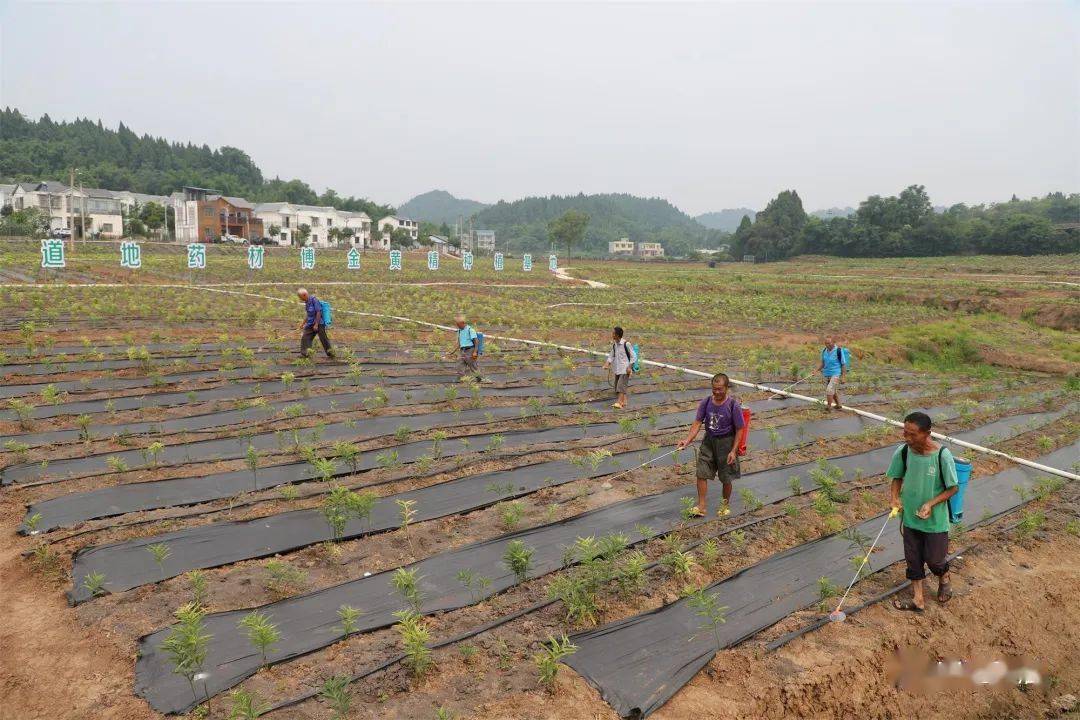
(71, 206)
(82, 191)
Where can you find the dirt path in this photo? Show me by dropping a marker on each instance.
(51, 666)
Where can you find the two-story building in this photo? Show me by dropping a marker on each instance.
(68, 206)
(202, 215)
(622, 246)
(324, 224)
(485, 240)
(393, 222)
(360, 224)
(649, 250)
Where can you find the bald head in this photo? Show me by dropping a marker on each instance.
(459, 320)
(302, 293)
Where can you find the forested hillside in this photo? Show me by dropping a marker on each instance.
(122, 160)
(907, 224)
(727, 219)
(611, 216)
(439, 206)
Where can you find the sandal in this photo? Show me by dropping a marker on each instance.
(697, 512)
(908, 605)
(944, 593)
(724, 510)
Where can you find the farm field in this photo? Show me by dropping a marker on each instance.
(368, 537)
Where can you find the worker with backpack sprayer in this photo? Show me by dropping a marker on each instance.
(834, 361)
(317, 318)
(623, 359)
(727, 424)
(469, 346)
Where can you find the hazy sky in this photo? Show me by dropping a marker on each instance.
(708, 105)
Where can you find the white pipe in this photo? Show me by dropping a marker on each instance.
(698, 373)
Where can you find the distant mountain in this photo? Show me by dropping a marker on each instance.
(726, 220)
(611, 216)
(439, 206)
(833, 212)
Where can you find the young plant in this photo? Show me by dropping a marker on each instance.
(117, 463)
(200, 593)
(94, 583)
(284, 578)
(749, 499)
(187, 644)
(261, 633)
(406, 514)
(547, 660)
(414, 636)
(252, 460)
(245, 705)
(160, 552)
(349, 615)
(334, 691)
(406, 582)
(678, 563)
(437, 439)
(631, 573)
(477, 585)
(84, 422)
(348, 453)
(738, 539)
(518, 558)
(510, 513)
(712, 613)
(795, 485)
(710, 553)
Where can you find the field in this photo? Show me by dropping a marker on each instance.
(200, 522)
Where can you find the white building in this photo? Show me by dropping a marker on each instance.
(289, 217)
(620, 247)
(128, 200)
(485, 240)
(394, 222)
(67, 206)
(5, 194)
(360, 224)
(649, 250)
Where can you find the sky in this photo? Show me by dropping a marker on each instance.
(710, 105)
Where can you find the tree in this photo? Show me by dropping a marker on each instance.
(153, 215)
(303, 232)
(275, 231)
(569, 229)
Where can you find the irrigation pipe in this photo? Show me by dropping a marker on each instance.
(772, 397)
(653, 363)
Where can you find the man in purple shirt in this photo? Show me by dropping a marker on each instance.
(718, 456)
(313, 325)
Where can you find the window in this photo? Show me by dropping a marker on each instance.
(329, 222)
(284, 237)
(314, 239)
(55, 202)
(285, 221)
(314, 221)
(208, 211)
(106, 227)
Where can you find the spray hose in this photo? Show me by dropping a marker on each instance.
(838, 615)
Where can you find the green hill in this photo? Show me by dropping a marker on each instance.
(122, 160)
(727, 219)
(439, 206)
(611, 217)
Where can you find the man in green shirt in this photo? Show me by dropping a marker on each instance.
(923, 479)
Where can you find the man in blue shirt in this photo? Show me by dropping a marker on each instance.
(313, 325)
(467, 347)
(832, 368)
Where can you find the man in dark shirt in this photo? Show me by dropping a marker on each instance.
(718, 456)
(313, 325)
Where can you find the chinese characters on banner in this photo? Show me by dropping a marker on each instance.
(307, 258)
(498, 261)
(130, 255)
(433, 260)
(255, 256)
(553, 262)
(466, 261)
(196, 256)
(354, 259)
(526, 262)
(52, 253)
(395, 259)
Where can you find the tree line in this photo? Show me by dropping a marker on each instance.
(908, 225)
(122, 160)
